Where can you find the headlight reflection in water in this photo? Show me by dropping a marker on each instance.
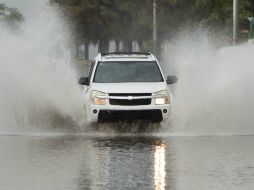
(159, 167)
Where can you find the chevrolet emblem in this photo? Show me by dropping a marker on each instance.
(129, 97)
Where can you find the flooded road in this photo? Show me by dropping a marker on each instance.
(128, 161)
(207, 145)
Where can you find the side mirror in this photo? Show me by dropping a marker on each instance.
(171, 79)
(83, 81)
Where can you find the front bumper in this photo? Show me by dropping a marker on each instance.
(151, 113)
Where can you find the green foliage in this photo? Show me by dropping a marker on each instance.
(128, 20)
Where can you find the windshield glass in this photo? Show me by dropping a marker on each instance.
(124, 71)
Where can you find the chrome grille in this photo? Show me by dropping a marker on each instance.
(130, 102)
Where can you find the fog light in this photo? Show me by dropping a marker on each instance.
(94, 111)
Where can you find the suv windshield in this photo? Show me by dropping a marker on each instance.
(127, 71)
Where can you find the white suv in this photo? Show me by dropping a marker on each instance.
(126, 86)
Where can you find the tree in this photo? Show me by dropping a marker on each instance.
(105, 20)
(10, 17)
(99, 21)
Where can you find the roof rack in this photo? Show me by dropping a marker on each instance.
(126, 53)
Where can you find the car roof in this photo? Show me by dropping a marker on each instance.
(126, 56)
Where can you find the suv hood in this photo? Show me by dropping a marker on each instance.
(133, 87)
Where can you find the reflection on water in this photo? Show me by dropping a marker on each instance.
(159, 167)
(126, 162)
(123, 162)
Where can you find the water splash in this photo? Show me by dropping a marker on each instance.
(38, 84)
(214, 95)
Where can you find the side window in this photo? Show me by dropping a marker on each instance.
(91, 71)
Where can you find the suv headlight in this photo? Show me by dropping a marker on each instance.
(162, 97)
(97, 98)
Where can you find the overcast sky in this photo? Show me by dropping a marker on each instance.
(26, 7)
